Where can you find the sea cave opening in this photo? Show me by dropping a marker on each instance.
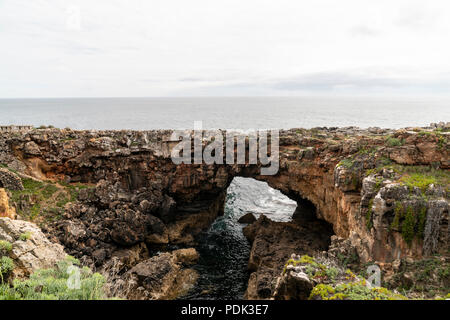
(223, 248)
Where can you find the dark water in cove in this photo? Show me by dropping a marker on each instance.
(223, 249)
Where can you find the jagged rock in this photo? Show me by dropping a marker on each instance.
(293, 286)
(32, 148)
(161, 276)
(31, 250)
(136, 194)
(272, 244)
(434, 237)
(9, 180)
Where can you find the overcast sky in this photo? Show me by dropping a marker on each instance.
(85, 48)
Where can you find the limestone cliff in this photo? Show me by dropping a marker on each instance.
(384, 190)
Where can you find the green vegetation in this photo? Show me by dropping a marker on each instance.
(25, 236)
(44, 200)
(408, 225)
(353, 291)
(369, 223)
(347, 260)
(421, 220)
(347, 163)
(398, 212)
(441, 139)
(52, 284)
(409, 222)
(431, 277)
(394, 142)
(415, 176)
(5, 246)
(6, 266)
(418, 180)
(74, 189)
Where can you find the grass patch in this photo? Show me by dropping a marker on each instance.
(347, 163)
(394, 142)
(6, 266)
(418, 180)
(353, 291)
(44, 200)
(53, 284)
(25, 236)
(5, 246)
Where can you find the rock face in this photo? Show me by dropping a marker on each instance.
(31, 250)
(272, 244)
(9, 180)
(247, 218)
(5, 209)
(163, 276)
(134, 194)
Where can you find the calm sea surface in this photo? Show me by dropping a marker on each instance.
(225, 113)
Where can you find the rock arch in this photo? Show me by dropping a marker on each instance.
(134, 177)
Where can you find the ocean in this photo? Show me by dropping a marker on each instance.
(224, 113)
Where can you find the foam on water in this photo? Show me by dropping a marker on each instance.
(224, 251)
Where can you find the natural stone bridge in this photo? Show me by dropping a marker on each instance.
(356, 180)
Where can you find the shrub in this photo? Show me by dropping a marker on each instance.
(394, 142)
(369, 223)
(25, 236)
(5, 245)
(418, 180)
(52, 284)
(353, 291)
(347, 163)
(398, 212)
(408, 225)
(6, 266)
(421, 222)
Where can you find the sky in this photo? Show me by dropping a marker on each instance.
(144, 48)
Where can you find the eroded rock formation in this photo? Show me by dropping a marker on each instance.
(30, 249)
(386, 191)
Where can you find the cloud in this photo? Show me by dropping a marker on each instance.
(177, 47)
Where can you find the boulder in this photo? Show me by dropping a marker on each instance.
(247, 218)
(32, 148)
(31, 250)
(162, 276)
(10, 180)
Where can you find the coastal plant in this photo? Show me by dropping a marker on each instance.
(6, 266)
(398, 212)
(422, 217)
(347, 163)
(408, 225)
(5, 246)
(394, 142)
(25, 236)
(52, 284)
(369, 223)
(357, 290)
(418, 180)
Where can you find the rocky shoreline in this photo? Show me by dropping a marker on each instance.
(116, 201)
